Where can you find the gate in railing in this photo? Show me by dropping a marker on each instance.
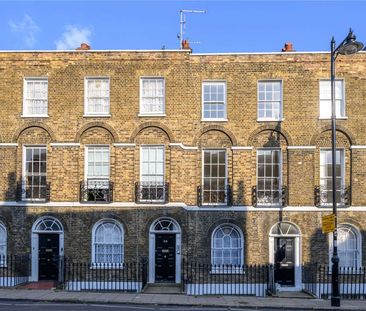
(85, 276)
(207, 279)
(317, 280)
(14, 270)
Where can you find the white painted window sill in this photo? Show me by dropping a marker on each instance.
(34, 116)
(347, 270)
(151, 115)
(269, 205)
(271, 120)
(101, 266)
(97, 115)
(230, 271)
(214, 120)
(25, 200)
(328, 118)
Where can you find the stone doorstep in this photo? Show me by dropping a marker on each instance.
(38, 285)
(162, 288)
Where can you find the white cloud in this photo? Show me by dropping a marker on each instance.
(27, 27)
(73, 37)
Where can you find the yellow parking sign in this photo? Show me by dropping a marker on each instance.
(328, 223)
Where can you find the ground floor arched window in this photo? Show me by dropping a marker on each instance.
(227, 245)
(349, 246)
(3, 240)
(107, 242)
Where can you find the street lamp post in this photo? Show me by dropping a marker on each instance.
(347, 47)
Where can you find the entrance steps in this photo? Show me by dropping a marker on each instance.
(39, 285)
(162, 288)
(294, 294)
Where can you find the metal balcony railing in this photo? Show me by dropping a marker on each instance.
(323, 197)
(29, 192)
(270, 198)
(96, 191)
(223, 197)
(151, 192)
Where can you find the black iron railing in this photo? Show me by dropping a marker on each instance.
(86, 276)
(323, 196)
(224, 197)
(151, 192)
(279, 197)
(33, 192)
(14, 270)
(208, 279)
(317, 280)
(96, 191)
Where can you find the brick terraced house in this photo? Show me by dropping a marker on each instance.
(113, 156)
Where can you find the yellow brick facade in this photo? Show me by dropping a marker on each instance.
(66, 132)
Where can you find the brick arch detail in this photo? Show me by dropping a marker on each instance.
(223, 221)
(55, 215)
(158, 125)
(102, 125)
(219, 128)
(351, 138)
(29, 125)
(268, 127)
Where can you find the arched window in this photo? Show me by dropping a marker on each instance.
(3, 238)
(349, 246)
(227, 245)
(107, 242)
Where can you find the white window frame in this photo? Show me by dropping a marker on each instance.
(3, 257)
(203, 175)
(86, 104)
(152, 114)
(24, 160)
(280, 117)
(221, 270)
(98, 265)
(358, 235)
(141, 169)
(26, 114)
(87, 147)
(280, 177)
(206, 82)
(343, 100)
(343, 170)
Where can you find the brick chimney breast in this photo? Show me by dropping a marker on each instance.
(288, 47)
(83, 47)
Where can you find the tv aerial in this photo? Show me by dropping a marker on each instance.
(183, 22)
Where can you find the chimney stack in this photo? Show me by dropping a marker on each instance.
(83, 47)
(288, 47)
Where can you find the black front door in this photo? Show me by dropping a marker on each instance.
(284, 250)
(165, 257)
(48, 256)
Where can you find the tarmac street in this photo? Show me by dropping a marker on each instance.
(43, 306)
(25, 299)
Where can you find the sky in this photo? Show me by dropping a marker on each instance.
(227, 26)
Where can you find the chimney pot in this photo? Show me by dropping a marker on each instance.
(83, 47)
(185, 45)
(289, 47)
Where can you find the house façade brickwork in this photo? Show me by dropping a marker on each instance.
(66, 131)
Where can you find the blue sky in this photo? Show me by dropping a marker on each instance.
(228, 26)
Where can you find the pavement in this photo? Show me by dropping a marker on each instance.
(176, 300)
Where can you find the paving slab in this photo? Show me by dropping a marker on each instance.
(179, 300)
